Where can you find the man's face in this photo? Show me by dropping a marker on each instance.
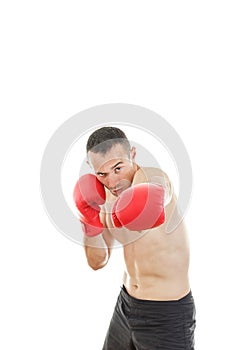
(115, 169)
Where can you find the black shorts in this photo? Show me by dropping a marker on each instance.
(147, 324)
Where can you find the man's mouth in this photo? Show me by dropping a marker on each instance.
(117, 191)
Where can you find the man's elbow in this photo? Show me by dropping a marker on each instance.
(96, 267)
(97, 263)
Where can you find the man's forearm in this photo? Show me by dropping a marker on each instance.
(97, 252)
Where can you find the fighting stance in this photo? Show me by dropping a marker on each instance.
(125, 202)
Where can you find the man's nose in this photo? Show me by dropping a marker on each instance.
(112, 181)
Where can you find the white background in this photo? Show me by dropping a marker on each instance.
(61, 57)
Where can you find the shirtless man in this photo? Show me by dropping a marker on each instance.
(125, 202)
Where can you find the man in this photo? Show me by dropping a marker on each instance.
(131, 204)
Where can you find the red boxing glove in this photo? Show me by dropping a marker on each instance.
(140, 207)
(88, 194)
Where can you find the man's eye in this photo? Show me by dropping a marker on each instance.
(117, 170)
(101, 174)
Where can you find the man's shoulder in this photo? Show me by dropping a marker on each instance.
(148, 174)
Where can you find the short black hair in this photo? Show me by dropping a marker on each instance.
(102, 140)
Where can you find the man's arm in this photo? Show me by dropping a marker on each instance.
(89, 195)
(142, 206)
(98, 249)
(155, 176)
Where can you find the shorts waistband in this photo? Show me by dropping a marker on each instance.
(132, 300)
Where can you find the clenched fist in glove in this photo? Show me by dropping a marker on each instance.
(89, 194)
(140, 207)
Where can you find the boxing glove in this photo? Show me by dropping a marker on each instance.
(88, 195)
(139, 207)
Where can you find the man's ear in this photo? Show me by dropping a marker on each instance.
(133, 153)
(88, 163)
